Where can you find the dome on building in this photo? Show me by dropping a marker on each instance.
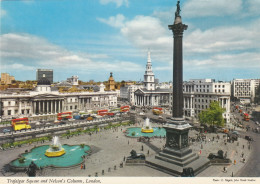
(43, 81)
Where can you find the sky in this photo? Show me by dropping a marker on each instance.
(91, 38)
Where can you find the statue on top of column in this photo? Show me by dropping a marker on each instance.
(177, 12)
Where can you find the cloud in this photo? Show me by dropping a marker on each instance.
(242, 60)
(202, 8)
(223, 39)
(253, 7)
(29, 51)
(114, 21)
(2, 12)
(117, 2)
(17, 66)
(147, 32)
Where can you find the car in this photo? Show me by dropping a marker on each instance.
(248, 138)
(160, 117)
(235, 132)
(37, 123)
(6, 130)
(141, 113)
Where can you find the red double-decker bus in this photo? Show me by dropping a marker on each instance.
(20, 123)
(246, 117)
(102, 112)
(64, 115)
(157, 110)
(124, 108)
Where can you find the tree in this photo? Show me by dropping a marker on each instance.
(213, 115)
(257, 95)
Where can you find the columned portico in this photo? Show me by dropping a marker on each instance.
(47, 106)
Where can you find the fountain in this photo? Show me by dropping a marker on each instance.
(52, 155)
(147, 128)
(55, 149)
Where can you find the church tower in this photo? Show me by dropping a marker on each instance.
(149, 76)
(111, 82)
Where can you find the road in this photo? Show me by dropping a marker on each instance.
(252, 166)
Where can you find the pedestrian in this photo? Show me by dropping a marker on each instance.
(128, 142)
(224, 169)
(81, 167)
(148, 152)
(142, 148)
(235, 162)
(242, 155)
(200, 152)
(84, 166)
(124, 158)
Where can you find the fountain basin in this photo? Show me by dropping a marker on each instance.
(147, 130)
(50, 153)
(74, 156)
(157, 132)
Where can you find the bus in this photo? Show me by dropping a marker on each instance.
(64, 115)
(157, 110)
(124, 108)
(246, 117)
(20, 123)
(102, 112)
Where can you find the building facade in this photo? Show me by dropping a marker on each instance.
(244, 89)
(47, 73)
(6, 78)
(74, 80)
(199, 93)
(44, 103)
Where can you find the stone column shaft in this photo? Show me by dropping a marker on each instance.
(177, 29)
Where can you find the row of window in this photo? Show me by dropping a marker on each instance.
(203, 96)
(16, 103)
(25, 111)
(219, 86)
(223, 91)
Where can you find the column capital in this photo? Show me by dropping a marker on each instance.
(178, 29)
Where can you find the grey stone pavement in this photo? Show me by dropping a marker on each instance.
(109, 147)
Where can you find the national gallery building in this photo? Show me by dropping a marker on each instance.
(44, 103)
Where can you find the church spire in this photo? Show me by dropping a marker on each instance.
(149, 76)
(148, 56)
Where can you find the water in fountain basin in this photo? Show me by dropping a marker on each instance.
(73, 156)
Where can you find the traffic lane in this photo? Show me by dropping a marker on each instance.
(6, 129)
(252, 166)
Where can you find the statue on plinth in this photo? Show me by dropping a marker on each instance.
(178, 10)
(31, 172)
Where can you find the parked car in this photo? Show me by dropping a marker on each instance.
(6, 130)
(248, 138)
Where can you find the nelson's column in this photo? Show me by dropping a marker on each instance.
(177, 155)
